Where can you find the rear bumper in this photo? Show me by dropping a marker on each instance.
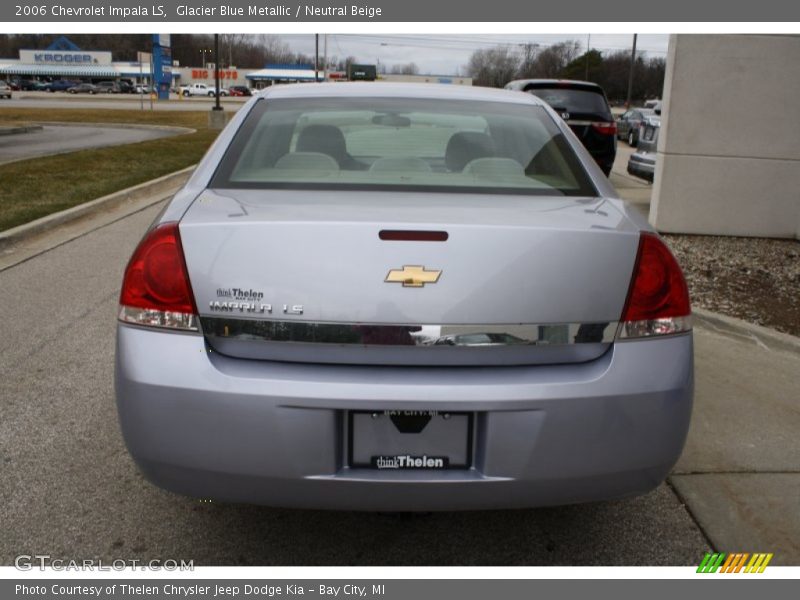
(642, 165)
(209, 426)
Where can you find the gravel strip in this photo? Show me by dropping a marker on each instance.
(754, 279)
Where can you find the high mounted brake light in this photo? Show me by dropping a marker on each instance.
(658, 299)
(155, 290)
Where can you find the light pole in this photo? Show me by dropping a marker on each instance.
(316, 57)
(216, 72)
(203, 52)
(588, 46)
(630, 74)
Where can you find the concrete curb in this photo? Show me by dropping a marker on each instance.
(762, 336)
(155, 187)
(172, 128)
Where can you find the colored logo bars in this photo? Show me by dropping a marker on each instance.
(734, 562)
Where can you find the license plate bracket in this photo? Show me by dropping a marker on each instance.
(382, 440)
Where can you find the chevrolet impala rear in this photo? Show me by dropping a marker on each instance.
(402, 297)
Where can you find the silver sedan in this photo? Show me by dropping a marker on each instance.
(402, 297)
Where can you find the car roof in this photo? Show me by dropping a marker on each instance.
(381, 89)
(519, 83)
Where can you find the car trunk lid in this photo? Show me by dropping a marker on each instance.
(305, 276)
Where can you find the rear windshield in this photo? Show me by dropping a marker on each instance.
(573, 100)
(402, 143)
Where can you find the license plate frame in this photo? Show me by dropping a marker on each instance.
(450, 464)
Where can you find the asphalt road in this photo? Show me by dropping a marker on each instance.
(56, 139)
(69, 489)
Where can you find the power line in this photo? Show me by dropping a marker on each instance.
(460, 42)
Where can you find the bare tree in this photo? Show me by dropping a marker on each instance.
(493, 67)
(405, 69)
(344, 64)
(527, 65)
(551, 61)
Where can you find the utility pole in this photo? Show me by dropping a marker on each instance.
(325, 59)
(588, 45)
(316, 57)
(630, 74)
(216, 71)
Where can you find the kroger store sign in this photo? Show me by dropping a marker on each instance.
(64, 57)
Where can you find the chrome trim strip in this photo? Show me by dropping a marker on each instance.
(364, 334)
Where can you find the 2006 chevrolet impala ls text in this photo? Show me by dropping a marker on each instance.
(402, 297)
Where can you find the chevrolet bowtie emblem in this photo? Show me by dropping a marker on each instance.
(412, 276)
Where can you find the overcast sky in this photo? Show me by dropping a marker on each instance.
(445, 54)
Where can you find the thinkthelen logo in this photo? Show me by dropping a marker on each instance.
(734, 562)
(404, 461)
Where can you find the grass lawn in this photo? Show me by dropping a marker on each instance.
(33, 188)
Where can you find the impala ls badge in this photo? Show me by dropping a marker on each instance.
(413, 276)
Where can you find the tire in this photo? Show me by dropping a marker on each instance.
(631, 139)
(210, 94)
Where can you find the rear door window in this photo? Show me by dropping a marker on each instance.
(573, 100)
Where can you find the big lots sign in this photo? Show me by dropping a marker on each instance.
(206, 74)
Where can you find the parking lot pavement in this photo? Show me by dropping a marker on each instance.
(635, 190)
(57, 139)
(69, 488)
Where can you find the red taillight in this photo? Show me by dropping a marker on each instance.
(604, 128)
(156, 289)
(658, 299)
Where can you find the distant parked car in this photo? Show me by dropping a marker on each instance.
(240, 90)
(630, 123)
(643, 162)
(5, 90)
(125, 87)
(108, 87)
(13, 84)
(29, 85)
(60, 85)
(584, 106)
(201, 89)
(83, 88)
(652, 103)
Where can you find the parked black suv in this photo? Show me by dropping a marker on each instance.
(584, 106)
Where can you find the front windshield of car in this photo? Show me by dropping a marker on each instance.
(402, 143)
